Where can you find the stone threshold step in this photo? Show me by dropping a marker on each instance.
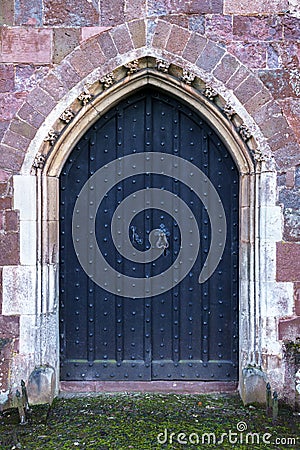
(182, 387)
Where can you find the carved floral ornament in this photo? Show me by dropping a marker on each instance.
(132, 67)
(245, 132)
(209, 92)
(184, 75)
(85, 97)
(229, 111)
(108, 80)
(67, 115)
(187, 77)
(39, 161)
(162, 66)
(52, 136)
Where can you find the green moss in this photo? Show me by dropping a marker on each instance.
(292, 346)
(3, 342)
(292, 351)
(134, 421)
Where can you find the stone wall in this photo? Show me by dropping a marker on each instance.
(250, 50)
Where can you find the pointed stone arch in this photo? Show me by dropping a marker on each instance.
(59, 110)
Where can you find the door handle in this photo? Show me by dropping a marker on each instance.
(161, 240)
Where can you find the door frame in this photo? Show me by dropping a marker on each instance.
(41, 221)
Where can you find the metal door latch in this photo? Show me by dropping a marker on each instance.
(162, 241)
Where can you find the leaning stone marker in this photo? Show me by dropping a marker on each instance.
(41, 385)
(253, 386)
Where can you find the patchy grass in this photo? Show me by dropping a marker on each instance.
(140, 421)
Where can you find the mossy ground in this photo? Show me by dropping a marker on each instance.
(133, 421)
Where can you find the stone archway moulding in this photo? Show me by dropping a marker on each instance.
(36, 194)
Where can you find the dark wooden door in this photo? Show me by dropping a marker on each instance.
(188, 332)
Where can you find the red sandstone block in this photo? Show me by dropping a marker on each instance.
(253, 54)
(6, 202)
(7, 78)
(274, 125)
(134, 9)
(10, 159)
(282, 141)
(278, 82)
(291, 110)
(122, 39)
(247, 7)
(67, 74)
(6, 12)
(219, 28)
(82, 65)
(179, 20)
(29, 12)
(289, 54)
(210, 56)
(184, 7)
(247, 28)
(194, 47)
(289, 329)
(238, 77)
(11, 221)
(288, 151)
(88, 32)
(15, 140)
(157, 8)
(31, 115)
(290, 178)
(71, 13)
(215, 6)
(274, 60)
(3, 127)
(248, 88)
(137, 31)
(29, 45)
(107, 45)
(9, 105)
(4, 176)
(111, 12)
(9, 325)
(4, 186)
(54, 86)
(9, 249)
(288, 261)
(23, 128)
(227, 67)
(91, 49)
(5, 358)
(161, 34)
(267, 111)
(291, 28)
(178, 39)
(41, 101)
(254, 104)
(70, 386)
(27, 76)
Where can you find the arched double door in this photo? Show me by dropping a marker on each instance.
(182, 329)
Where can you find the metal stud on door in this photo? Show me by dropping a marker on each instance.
(188, 331)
